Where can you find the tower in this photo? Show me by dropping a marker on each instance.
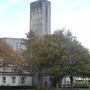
(40, 17)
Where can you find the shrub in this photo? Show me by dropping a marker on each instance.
(82, 84)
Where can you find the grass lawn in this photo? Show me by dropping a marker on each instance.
(71, 89)
(84, 89)
(51, 89)
(67, 89)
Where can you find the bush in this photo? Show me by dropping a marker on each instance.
(82, 85)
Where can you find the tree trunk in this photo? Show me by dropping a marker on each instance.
(60, 82)
(39, 80)
(71, 81)
(57, 85)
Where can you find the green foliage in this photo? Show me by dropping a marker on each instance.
(9, 57)
(82, 84)
(59, 54)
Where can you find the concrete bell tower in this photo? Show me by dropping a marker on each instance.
(40, 17)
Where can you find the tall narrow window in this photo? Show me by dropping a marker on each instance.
(13, 79)
(23, 79)
(4, 79)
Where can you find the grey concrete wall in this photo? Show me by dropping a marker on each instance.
(15, 43)
(40, 17)
(9, 81)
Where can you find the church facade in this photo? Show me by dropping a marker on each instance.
(15, 79)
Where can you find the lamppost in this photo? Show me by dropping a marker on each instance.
(2, 64)
(17, 46)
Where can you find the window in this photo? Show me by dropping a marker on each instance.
(4, 79)
(13, 79)
(23, 79)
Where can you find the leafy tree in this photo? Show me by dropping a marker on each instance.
(75, 56)
(58, 55)
(27, 52)
(9, 57)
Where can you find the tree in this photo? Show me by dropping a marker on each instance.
(10, 57)
(58, 55)
(27, 52)
(75, 57)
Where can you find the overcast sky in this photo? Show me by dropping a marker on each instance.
(71, 14)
